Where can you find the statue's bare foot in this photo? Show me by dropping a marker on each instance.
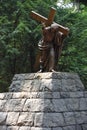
(40, 71)
(52, 70)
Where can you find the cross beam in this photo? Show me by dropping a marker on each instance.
(48, 21)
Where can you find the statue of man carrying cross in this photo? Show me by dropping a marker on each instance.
(51, 44)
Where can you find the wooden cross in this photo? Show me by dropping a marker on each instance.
(48, 21)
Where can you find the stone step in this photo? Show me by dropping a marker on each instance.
(43, 95)
(43, 105)
(71, 127)
(22, 109)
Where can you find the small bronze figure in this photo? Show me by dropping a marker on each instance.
(50, 47)
(51, 44)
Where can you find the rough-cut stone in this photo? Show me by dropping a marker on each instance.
(59, 105)
(83, 104)
(3, 118)
(50, 85)
(72, 104)
(85, 93)
(12, 118)
(68, 85)
(12, 128)
(84, 126)
(25, 119)
(38, 105)
(14, 105)
(16, 85)
(79, 84)
(69, 118)
(24, 128)
(56, 95)
(21, 95)
(57, 128)
(49, 119)
(65, 94)
(69, 128)
(73, 127)
(77, 94)
(8, 95)
(44, 101)
(84, 116)
(2, 95)
(2, 104)
(78, 127)
(81, 117)
(3, 127)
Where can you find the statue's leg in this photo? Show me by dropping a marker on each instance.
(51, 60)
(57, 55)
(60, 51)
(42, 60)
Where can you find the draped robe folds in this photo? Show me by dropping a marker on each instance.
(50, 47)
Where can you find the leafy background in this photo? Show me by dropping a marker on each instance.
(19, 36)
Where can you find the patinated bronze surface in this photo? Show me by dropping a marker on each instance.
(51, 44)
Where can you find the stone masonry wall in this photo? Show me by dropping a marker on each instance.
(44, 101)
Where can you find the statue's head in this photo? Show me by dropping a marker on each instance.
(49, 33)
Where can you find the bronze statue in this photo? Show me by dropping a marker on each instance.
(50, 47)
(51, 44)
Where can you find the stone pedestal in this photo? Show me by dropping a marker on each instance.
(44, 101)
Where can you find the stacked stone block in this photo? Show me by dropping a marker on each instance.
(44, 101)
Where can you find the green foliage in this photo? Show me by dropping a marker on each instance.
(19, 36)
(74, 56)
